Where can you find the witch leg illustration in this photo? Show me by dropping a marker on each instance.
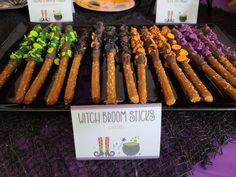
(107, 144)
(42, 15)
(100, 152)
(46, 15)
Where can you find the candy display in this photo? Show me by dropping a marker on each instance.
(203, 50)
(43, 73)
(20, 54)
(170, 56)
(182, 60)
(160, 72)
(182, 57)
(124, 39)
(35, 57)
(221, 83)
(65, 54)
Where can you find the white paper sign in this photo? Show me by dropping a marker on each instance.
(117, 132)
(50, 10)
(177, 11)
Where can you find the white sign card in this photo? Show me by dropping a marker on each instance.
(117, 132)
(177, 11)
(48, 11)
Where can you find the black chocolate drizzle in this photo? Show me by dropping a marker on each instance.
(82, 43)
(124, 39)
(99, 29)
(110, 38)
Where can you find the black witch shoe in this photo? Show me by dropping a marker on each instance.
(98, 153)
(109, 154)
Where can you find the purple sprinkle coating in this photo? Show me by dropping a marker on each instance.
(222, 48)
(194, 43)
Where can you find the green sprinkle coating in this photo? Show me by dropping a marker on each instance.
(54, 40)
(26, 45)
(40, 45)
(71, 37)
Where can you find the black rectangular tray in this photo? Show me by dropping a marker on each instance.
(83, 94)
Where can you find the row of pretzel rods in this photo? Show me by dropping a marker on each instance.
(146, 44)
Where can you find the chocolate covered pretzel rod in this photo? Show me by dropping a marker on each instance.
(181, 55)
(160, 72)
(202, 64)
(111, 50)
(202, 49)
(217, 53)
(231, 55)
(43, 73)
(170, 57)
(17, 57)
(96, 46)
(141, 63)
(66, 41)
(74, 70)
(126, 57)
(35, 56)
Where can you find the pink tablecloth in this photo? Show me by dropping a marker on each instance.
(224, 165)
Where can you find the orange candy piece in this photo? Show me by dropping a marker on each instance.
(176, 47)
(183, 52)
(164, 30)
(170, 36)
(181, 58)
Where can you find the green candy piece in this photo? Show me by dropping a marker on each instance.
(34, 33)
(69, 53)
(57, 61)
(50, 50)
(37, 46)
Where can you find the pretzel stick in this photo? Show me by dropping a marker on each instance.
(71, 82)
(43, 73)
(221, 70)
(126, 57)
(203, 91)
(160, 72)
(35, 56)
(201, 63)
(219, 81)
(17, 57)
(110, 39)
(65, 53)
(96, 46)
(222, 59)
(189, 72)
(141, 62)
(170, 56)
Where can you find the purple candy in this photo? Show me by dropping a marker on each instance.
(183, 41)
(179, 34)
(193, 36)
(206, 51)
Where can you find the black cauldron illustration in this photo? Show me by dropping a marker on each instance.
(58, 15)
(131, 148)
(183, 17)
